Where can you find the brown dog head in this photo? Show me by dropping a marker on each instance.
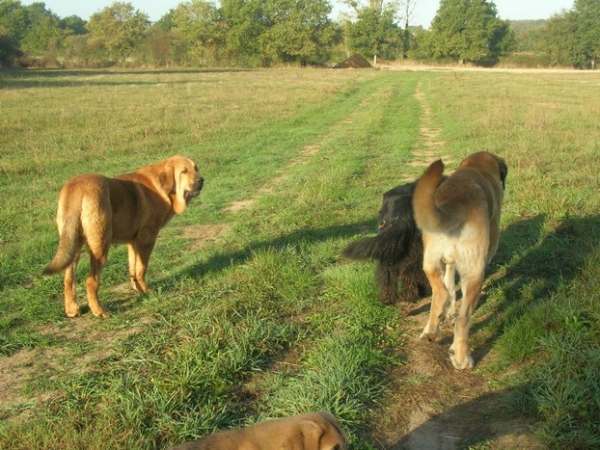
(489, 162)
(180, 178)
(316, 431)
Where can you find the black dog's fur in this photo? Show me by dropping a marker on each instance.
(397, 248)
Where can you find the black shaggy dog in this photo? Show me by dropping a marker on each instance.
(397, 248)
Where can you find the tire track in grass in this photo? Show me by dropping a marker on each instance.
(434, 405)
(431, 146)
(201, 235)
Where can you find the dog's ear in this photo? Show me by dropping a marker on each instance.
(305, 435)
(333, 437)
(167, 178)
(503, 171)
(178, 200)
(170, 178)
(309, 434)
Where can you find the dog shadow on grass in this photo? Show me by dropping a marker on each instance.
(472, 424)
(531, 265)
(223, 260)
(537, 256)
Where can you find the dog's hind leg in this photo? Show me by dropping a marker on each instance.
(413, 279)
(97, 261)
(71, 307)
(459, 351)
(450, 283)
(98, 233)
(439, 298)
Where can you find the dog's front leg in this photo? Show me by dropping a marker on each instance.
(387, 279)
(139, 255)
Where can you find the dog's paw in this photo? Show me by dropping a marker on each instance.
(101, 313)
(458, 363)
(71, 314)
(429, 335)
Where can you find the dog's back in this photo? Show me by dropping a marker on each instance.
(445, 205)
(465, 204)
(311, 431)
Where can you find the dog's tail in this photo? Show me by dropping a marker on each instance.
(430, 214)
(68, 244)
(389, 246)
(361, 250)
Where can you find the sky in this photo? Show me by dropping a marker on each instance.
(424, 12)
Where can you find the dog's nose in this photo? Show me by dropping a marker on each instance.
(200, 182)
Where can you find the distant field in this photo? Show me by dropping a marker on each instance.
(253, 313)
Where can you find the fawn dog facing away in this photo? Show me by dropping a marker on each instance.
(460, 221)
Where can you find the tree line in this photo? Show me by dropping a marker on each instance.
(263, 33)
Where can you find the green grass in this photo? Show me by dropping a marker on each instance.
(268, 321)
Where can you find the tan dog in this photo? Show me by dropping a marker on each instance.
(460, 220)
(129, 209)
(312, 431)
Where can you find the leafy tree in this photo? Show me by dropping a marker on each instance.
(9, 48)
(587, 26)
(529, 35)
(74, 24)
(469, 31)
(43, 32)
(115, 31)
(407, 8)
(272, 31)
(246, 21)
(162, 48)
(297, 31)
(199, 24)
(166, 22)
(375, 34)
(559, 36)
(31, 29)
(13, 18)
(573, 37)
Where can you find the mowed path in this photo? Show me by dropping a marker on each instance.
(436, 406)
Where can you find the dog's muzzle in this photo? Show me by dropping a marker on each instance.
(196, 191)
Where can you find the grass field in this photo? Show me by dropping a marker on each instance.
(253, 313)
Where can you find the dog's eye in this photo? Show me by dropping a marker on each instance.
(184, 170)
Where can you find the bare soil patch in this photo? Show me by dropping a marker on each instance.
(201, 235)
(438, 407)
(47, 364)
